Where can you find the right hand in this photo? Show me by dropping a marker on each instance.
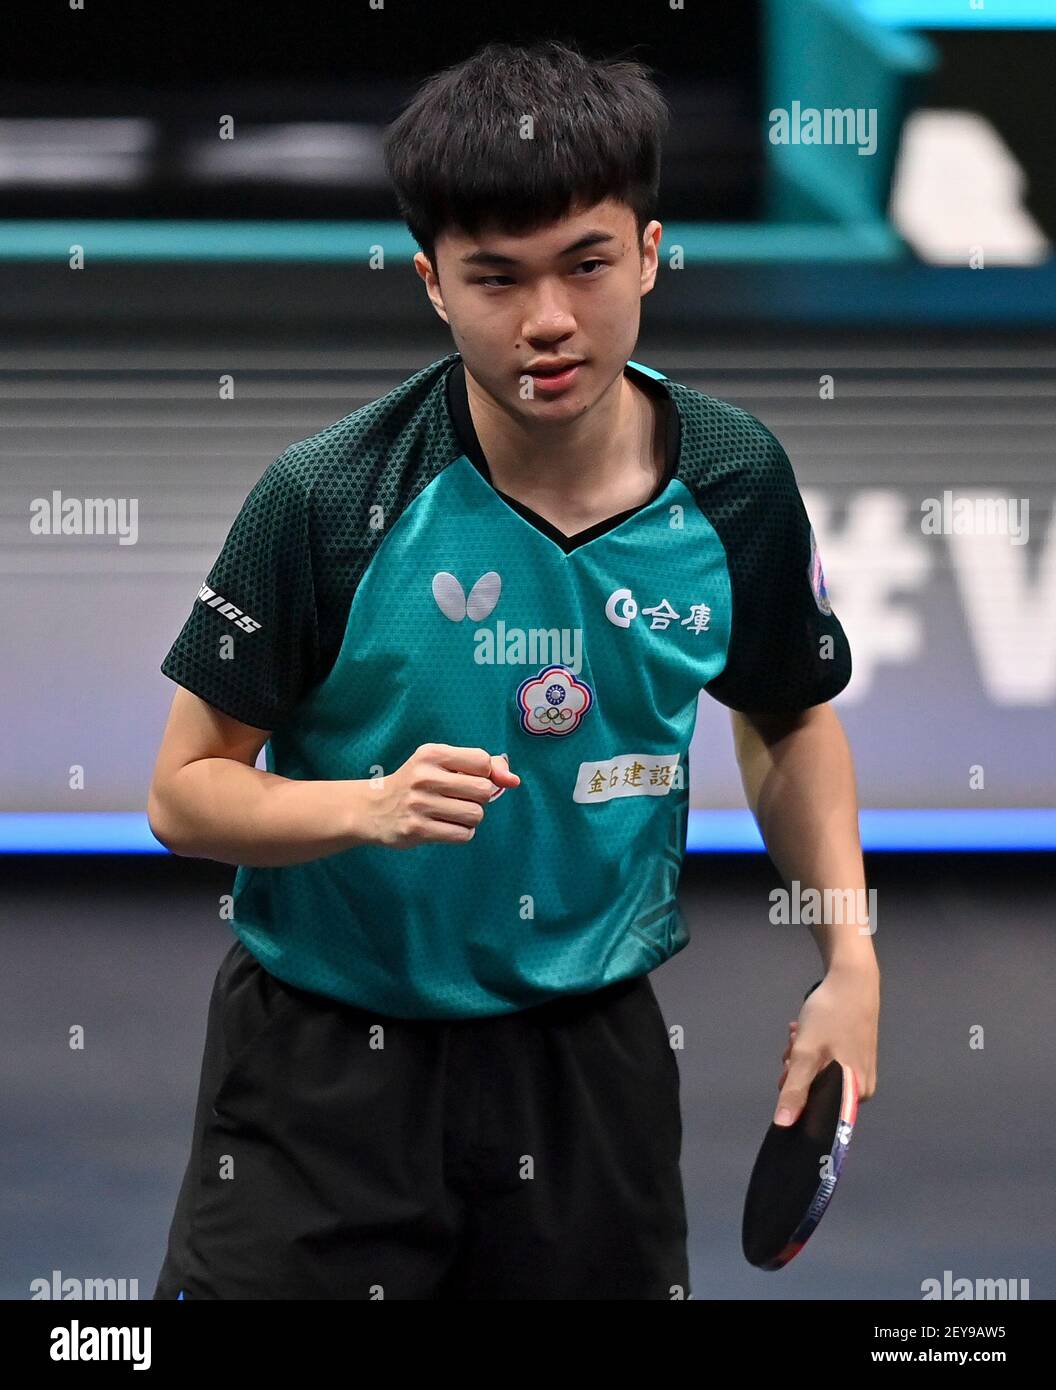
(438, 796)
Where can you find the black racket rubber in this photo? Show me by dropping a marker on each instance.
(788, 1192)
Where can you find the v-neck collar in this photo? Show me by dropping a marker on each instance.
(458, 406)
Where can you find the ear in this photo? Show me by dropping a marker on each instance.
(650, 254)
(424, 267)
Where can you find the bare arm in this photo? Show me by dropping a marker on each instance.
(798, 778)
(207, 799)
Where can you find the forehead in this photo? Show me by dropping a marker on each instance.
(609, 216)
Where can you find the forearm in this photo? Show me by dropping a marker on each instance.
(798, 778)
(218, 808)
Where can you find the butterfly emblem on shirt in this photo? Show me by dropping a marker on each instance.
(451, 597)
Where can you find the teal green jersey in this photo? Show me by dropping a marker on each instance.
(377, 592)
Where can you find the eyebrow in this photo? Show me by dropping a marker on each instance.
(485, 257)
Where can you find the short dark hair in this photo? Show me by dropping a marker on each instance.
(456, 156)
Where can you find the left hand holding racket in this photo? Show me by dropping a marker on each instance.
(839, 1019)
(797, 1168)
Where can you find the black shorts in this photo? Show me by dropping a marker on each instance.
(339, 1153)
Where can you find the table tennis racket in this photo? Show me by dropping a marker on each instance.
(797, 1168)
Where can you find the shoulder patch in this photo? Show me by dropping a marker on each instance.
(817, 577)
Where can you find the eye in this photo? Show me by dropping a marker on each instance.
(490, 280)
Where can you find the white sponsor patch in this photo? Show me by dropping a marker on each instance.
(212, 599)
(628, 774)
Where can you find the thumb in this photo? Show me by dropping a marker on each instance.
(793, 1095)
(501, 775)
(500, 771)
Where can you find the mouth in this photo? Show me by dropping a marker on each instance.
(550, 380)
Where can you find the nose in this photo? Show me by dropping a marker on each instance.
(548, 316)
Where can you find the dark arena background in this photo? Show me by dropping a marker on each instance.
(888, 311)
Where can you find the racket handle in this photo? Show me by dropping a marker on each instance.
(811, 990)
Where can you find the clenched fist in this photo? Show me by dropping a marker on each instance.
(438, 795)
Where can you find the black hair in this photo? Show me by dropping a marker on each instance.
(457, 157)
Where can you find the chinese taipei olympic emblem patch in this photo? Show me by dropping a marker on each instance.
(817, 577)
(553, 702)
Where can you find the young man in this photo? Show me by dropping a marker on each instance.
(470, 622)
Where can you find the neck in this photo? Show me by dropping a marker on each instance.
(608, 458)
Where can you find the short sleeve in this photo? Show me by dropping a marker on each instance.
(250, 645)
(787, 648)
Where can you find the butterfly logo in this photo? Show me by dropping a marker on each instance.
(452, 602)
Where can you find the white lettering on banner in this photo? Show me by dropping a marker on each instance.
(1012, 622)
(877, 558)
(871, 562)
(628, 774)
